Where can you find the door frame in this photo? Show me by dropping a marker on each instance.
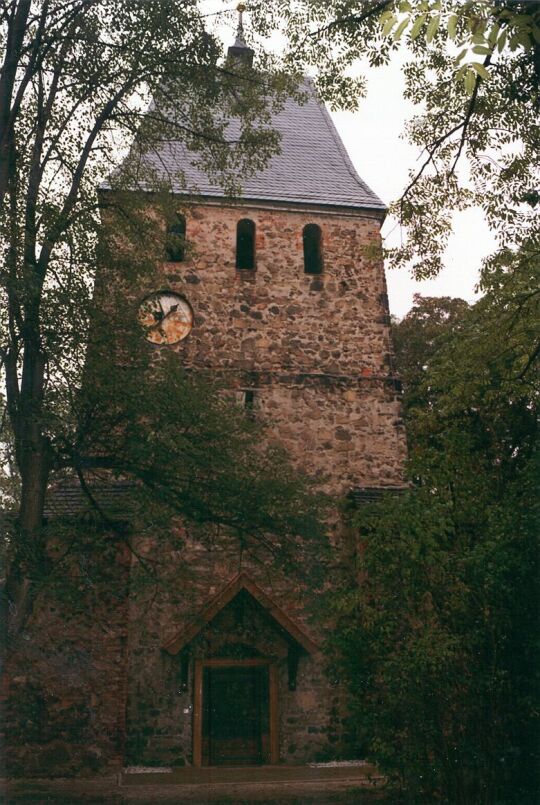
(273, 719)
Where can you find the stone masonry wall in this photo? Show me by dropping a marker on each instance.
(315, 351)
(66, 691)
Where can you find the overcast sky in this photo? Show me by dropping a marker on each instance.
(373, 138)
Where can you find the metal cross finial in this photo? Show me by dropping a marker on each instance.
(241, 7)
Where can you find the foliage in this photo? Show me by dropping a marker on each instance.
(179, 446)
(76, 79)
(439, 635)
(472, 68)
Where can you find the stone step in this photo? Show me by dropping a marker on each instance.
(364, 775)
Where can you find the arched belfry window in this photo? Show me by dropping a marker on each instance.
(175, 246)
(312, 238)
(245, 244)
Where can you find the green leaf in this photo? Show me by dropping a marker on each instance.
(525, 40)
(432, 28)
(493, 34)
(389, 25)
(460, 56)
(481, 50)
(513, 42)
(452, 25)
(501, 42)
(417, 26)
(399, 30)
(481, 70)
(469, 82)
(405, 6)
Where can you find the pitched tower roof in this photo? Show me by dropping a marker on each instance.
(312, 167)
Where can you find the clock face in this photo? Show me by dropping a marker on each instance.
(166, 317)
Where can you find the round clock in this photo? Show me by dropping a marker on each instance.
(166, 317)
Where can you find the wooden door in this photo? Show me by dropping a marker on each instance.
(235, 728)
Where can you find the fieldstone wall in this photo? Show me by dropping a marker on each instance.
(65, 681)
(312, 718)
(315, 350)
(315, 353)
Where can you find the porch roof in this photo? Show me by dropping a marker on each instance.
(218, 602)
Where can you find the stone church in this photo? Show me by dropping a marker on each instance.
(283, 289)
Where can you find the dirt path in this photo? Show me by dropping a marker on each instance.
(66, 792)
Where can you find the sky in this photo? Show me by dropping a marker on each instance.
(383, 158)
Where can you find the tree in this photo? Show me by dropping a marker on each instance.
(75, 82)
(473, 69)
(438, 634)
(417, 338)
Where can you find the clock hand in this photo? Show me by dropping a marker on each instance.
(159, 323)
(159, 315)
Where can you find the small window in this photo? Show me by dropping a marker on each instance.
(175, 246)
(245, 245)
(245, 399)
(249, 399)
(312, 249)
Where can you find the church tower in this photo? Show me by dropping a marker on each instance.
(283, 292)
(281, 295)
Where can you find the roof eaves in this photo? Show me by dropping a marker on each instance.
(346, 158)
(380, 208)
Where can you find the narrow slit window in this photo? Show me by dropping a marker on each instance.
(245, 245)
(175, 246)
(312, 237)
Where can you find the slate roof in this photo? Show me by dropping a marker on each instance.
(312, 168)
(115, 498)
(361, 495)
(67, 499)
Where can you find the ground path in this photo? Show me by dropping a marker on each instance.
(279, 785)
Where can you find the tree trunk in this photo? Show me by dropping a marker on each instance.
(34, 463)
